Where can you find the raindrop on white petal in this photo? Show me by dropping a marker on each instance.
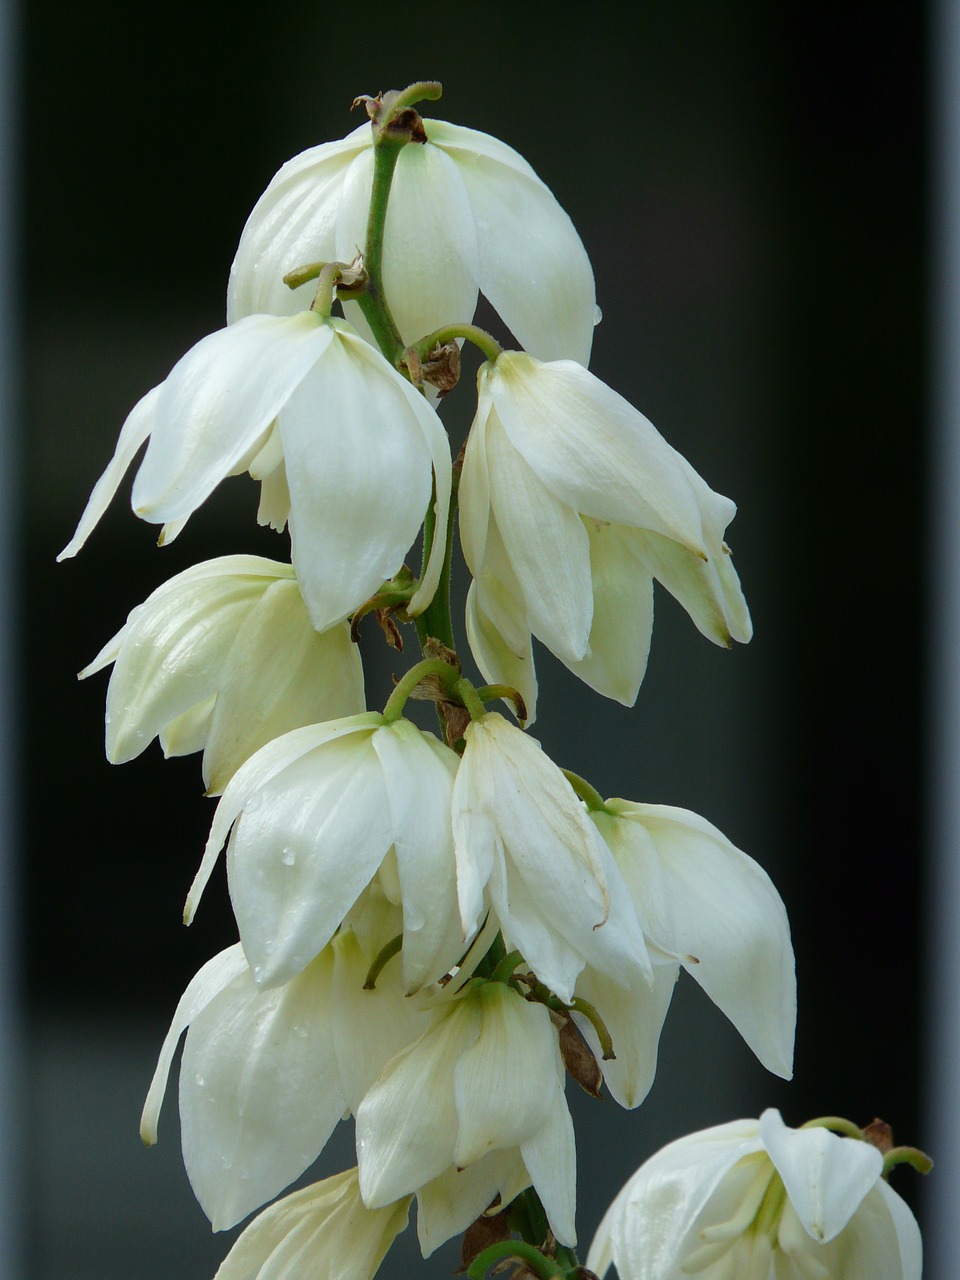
(300, 1032)
(107, 718)
(253, 803)
(597, 316)
(198, 1078)
(258, 973)
(288, 857)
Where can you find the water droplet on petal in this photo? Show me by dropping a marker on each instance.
(288, 857)
(597, 316)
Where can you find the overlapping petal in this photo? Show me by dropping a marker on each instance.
(589, 504)
(224, 658)
(314, 816)
(346, 444)
(467, 214)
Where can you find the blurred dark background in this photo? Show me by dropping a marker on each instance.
(749, 182)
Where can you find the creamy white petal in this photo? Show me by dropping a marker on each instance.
(419, 772)
(279, 674)
(634, 1016)
(708, 589)
(644, 1231)
(547, 546)
(304, 847)
(189, 731)
(430, 259)
(703, 900)
(259, 769)
(292, 224)
(592, 448)
(323, 1231)
(359, 472)
(135, 430)
(622, 627)
(370, 1026)
(473, 493)
(449, 1203)
(206, 984)
(826, 1176)
(551, 1160)
(407, 1123)
(509, 1082)
(259, 1090)
(498, 662)
(216, 405)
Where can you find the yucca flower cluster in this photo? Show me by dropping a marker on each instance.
(435, 929)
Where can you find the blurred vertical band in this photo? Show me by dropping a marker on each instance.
(11, 1146)
(942, 1136)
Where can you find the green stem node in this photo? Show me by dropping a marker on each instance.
(326, 289)
(519, 1249)
(487, 343)
(383, 957)
(504, 970)
(407, 683)
(490, 692)
(470, 698)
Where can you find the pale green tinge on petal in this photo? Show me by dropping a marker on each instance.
(622, 628)
(509, 1082)
(307, 842)
(551, 1160)
(474, 490)
(292, 224)
(216, 406)
(449, 1203)
(135, 430)
(280, 674)
(547, 547)
(407, 1124)
(189, 731)
(826, 1176)
(205, 986)
(359, 472)
(703, 900)
(430, 260)
(323, 1231)
(634, 1017)
(593, 449)
(259, 1090)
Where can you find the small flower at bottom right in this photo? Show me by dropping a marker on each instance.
(757, 1200)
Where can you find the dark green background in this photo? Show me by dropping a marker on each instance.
(749, 182)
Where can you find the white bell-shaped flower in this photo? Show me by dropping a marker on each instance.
(315, 816)
(708, 907)
(571, 503)
(756, 1200)
(346, 449)
(526, 847)
(466, 213)
(223, 658)
(480, 1092)
(267, 1074)
(323, 1231)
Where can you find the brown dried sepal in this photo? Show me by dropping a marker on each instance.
(879, 1134)
(455, 720)
(579, 1060)
(441, 368)
(389, 628)
(481, 1234)
(434, 648)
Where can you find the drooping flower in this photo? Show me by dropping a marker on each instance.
(467, 213)
(571, 504)
(223, 658)
(267, 1074)
(313, 817)
(346, 449)
(477, 1100)
(323, 1231)
(758, 1199)
(525, 846)
(707, 907)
